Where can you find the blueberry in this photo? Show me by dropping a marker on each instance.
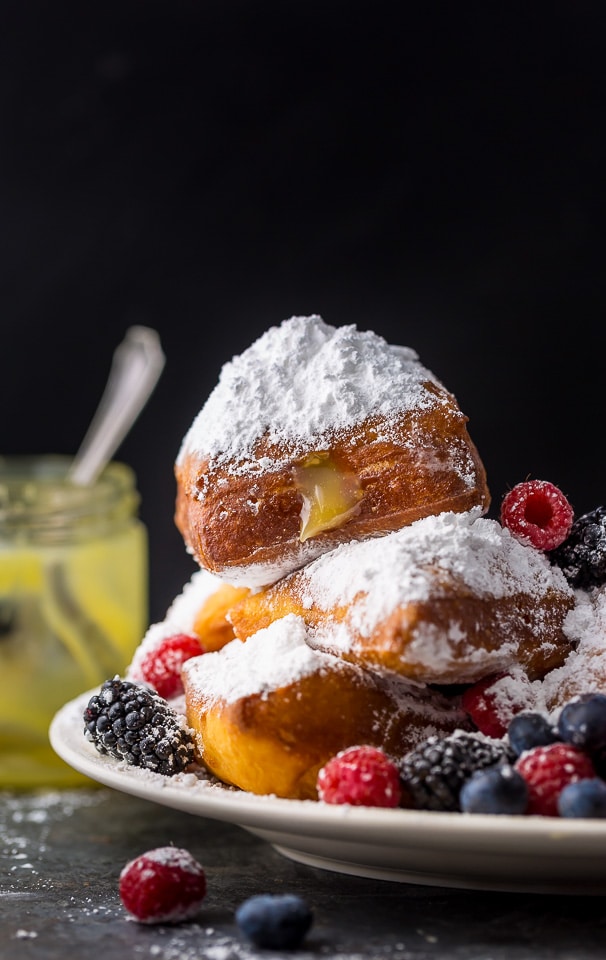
(277, 921)
(496, 790)
(584, 798)
(528, 730)
(582, 722)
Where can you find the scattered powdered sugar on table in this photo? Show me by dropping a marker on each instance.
(300, 379)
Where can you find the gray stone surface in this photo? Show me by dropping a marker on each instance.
(61, 855)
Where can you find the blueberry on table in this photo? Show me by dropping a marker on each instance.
(275, 921)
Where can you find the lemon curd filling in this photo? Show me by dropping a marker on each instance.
(331, 495)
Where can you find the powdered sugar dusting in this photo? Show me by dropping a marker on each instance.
(585, 668)
(300, 379)
(424, 560)
(180, 618)
(274, 657)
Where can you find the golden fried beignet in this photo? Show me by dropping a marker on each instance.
(449, 599)
(210, 622)
(313, 437)
(270, 712)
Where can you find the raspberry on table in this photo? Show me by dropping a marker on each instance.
(164, 885)
(537, 513)
(362, 776)
(499, 790)
(275, 921)
(547, 770)
(129, 722)
(582, 555)
(161, 667)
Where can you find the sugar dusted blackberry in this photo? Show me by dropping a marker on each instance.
(132, 723)
(582, 556)
(433, 773)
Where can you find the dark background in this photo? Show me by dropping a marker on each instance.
(210, 169)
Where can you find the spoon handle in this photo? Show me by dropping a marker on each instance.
(136, 367)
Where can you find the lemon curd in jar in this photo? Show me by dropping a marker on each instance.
(73, 602)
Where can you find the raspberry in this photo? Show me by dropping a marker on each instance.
(537, 513)
(165, 885)
(492, 702)
(547, 770)
(275, 921)
(582, 556)
(161, 667)
(362, 776)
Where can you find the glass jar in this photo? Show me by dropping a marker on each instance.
(73, 601)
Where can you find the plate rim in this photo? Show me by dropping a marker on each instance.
(217, 801)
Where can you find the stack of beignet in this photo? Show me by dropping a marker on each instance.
(349, 581)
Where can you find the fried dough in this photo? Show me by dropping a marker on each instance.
(270, 712)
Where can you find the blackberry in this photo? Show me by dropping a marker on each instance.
(582, 556)
(131, 723)
(433, 773)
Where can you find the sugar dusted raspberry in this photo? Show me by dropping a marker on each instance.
(165, 885)
(537, 512)
(161, 667)
(547, 770)
(492, 702)
(362, 776)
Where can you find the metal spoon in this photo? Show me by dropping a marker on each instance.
(136, 367)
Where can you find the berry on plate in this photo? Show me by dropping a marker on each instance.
(362, 776)
(547, 770)
(161, 667)
(275, 921)
(582, 556)
(500, 790)
(131, 723)
(433, 773)
(165, 885)
(583, 723)
(537, 512)
(585, 798)
(529, 730)
(493, 701)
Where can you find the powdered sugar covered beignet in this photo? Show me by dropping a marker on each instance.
(314, 436)
(450, 599)
(270, 712)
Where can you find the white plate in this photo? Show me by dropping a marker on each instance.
(534, 854)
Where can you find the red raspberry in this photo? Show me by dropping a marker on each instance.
(547, 770)
(161, 667)
(362, 776)
(165, 885)
(537, 512)
(492, 702)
